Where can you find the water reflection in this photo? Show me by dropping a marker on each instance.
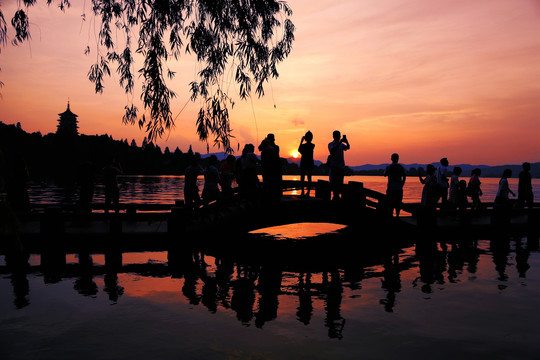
(255, 293)
(299, 231)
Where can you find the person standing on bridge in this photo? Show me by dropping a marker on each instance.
(442, 182)
(473, 188)
(191, 189)
(502, 197)
(525, 191)
(429, 191)
(246, 172)
(336, 162)
(454, 185)
(306, 162)
(396, 180)
(110, 179)
(211, 180)
(226, 176)
(271, 168)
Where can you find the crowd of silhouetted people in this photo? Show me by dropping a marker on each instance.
(244, 171)
(442, 187)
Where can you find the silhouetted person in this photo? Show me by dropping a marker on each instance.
(503, 193)
(306, 161)
(191, 190)
(525, 191)
(394, 188)
(226, 175)
(504, 190)
(110, 178)
(336, 162)
(503, 204)
(211, 180)
(429, 196)
(473, 188)
(461, 195)
(86, 179)
(271, 168)
(454, 183)
(247, 178)
(429, 191)
(442, 181)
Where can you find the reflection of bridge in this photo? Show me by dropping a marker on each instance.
(156, 226)
(252, 290)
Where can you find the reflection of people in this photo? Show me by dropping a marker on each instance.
(333, 320)
(396, 180)
(305, 303)
(211, 180)
(271, 168)
(306, 162)
(336, 162)
(525, 192)
(112, 192)
(191, 190)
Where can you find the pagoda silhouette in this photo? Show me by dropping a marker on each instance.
(67, 124)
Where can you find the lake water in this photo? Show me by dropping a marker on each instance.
(167, 189)
(468, 299)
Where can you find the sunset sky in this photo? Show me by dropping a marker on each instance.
(427, 79)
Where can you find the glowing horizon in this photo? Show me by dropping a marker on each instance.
(406, 76)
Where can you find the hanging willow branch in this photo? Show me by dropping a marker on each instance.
(249, 36)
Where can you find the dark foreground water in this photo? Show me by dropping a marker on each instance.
(467, 300)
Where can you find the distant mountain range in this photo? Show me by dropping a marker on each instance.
(487, 170)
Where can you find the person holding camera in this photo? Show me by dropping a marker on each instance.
(336, 163)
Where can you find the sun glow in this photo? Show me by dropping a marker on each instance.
(295, 154)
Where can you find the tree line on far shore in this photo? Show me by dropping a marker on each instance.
(57, 158)
(52, 157)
